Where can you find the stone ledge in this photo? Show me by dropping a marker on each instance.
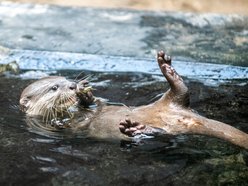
(211, 38)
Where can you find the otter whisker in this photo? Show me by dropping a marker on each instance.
(43, 108)
(49, 115)
(68, 99)
(84, 78)
(45, 115)
(78, 75)
(48, 118)
(54, 113)
(55, 109)
(48, 109)
(69, 113)
(62, 100)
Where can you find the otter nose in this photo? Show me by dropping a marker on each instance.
(73, 86)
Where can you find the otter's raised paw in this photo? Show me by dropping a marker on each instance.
(163, 58)
(135, 128)
(164, 62)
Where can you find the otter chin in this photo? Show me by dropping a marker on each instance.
(55, 98)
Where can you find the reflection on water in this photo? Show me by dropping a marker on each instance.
(42, 159)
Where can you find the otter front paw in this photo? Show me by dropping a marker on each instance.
(131, 128)
(135, 128)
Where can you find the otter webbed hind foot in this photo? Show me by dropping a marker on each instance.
(134, 128)
(178, 92)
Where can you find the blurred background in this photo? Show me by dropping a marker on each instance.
(202, 6)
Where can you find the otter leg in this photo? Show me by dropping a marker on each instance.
(134, 128)
(178, 92)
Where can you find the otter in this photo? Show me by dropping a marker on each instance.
(58, 100)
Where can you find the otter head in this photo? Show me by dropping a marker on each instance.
(52, 96)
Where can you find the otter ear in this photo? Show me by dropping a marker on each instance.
(24, 103)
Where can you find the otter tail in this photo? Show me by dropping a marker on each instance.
(220, 130)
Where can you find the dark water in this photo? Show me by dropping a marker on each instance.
(31, 159)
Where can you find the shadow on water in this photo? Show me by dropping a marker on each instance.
(30, 158)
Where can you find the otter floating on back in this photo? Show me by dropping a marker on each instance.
(53, 97)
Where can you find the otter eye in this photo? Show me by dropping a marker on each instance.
(55, 87)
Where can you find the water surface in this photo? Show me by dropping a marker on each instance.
(28, 158)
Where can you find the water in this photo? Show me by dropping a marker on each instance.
(28, 158)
